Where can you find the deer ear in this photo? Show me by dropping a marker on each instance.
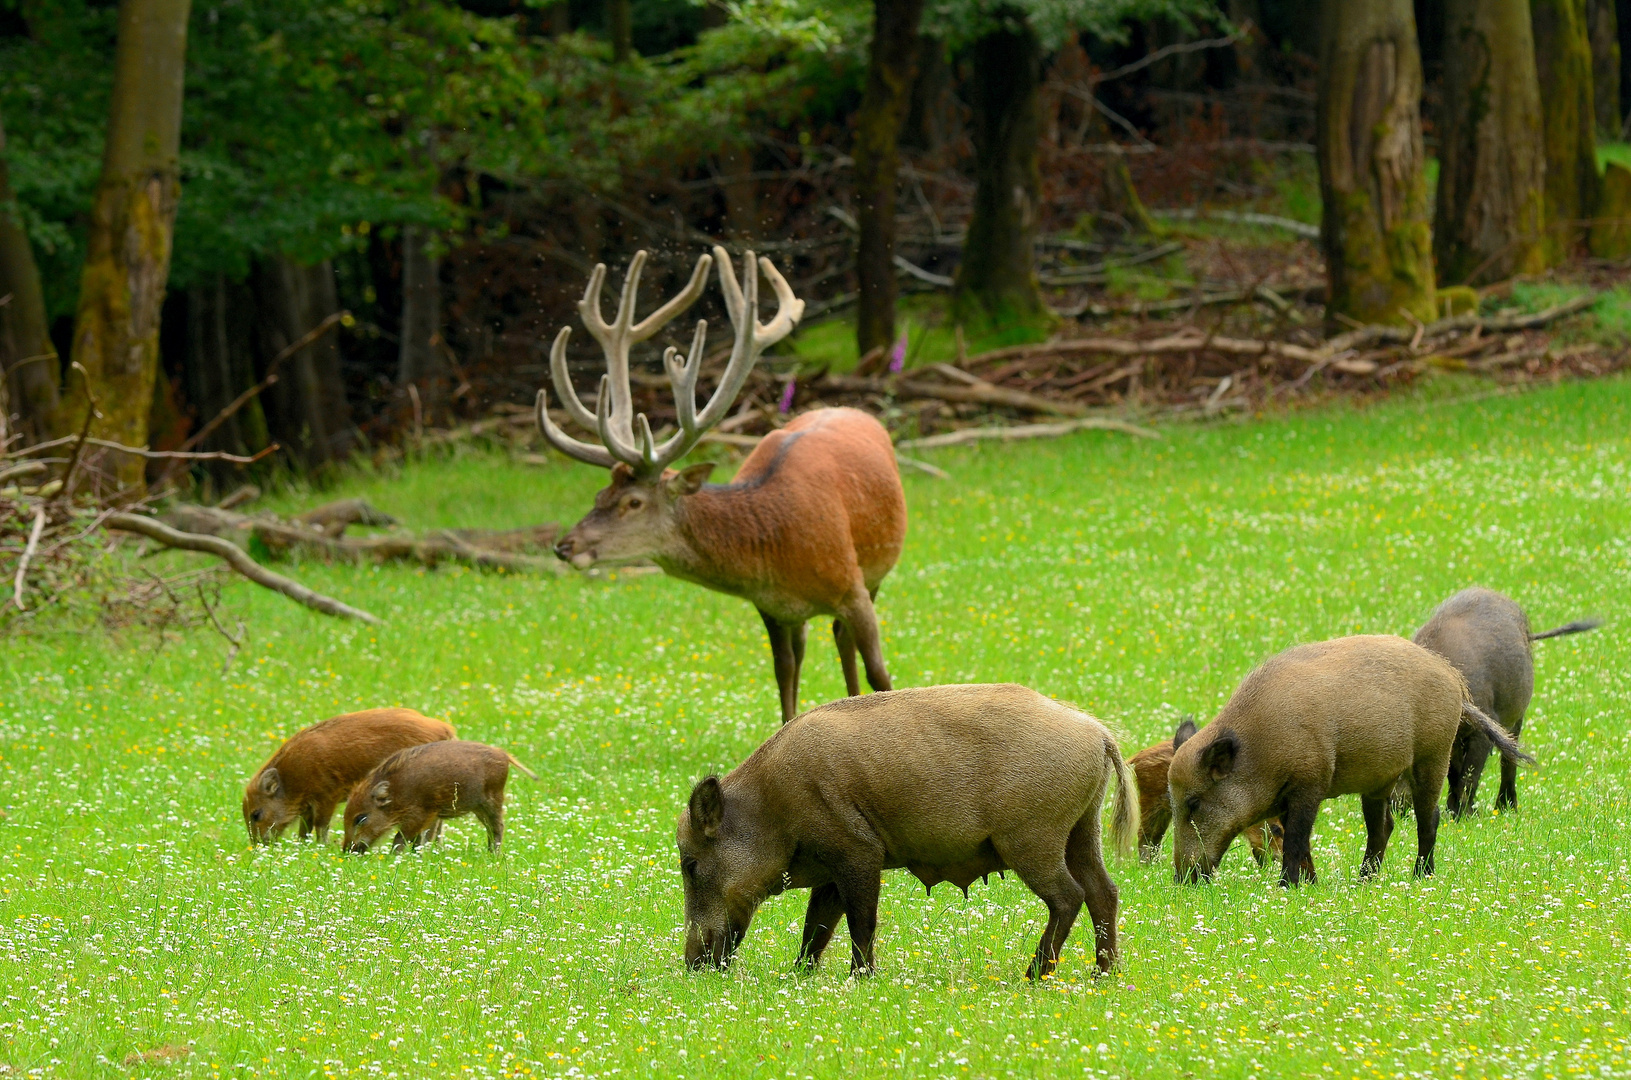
(1186, 730)
(270, 781)
(382, 792)
(707, 807)
(689, 480)
(1219, 758)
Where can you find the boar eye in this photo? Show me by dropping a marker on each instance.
(256, 816)
(359, 819)
(1193, 803)
(688, 867)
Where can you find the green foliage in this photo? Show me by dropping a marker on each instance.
(962, 21)
(1139, 579)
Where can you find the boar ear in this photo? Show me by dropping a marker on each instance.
(690, 479)
(1219, 758)
(1186, 729)
(270, 781)
(707, 807)
(382, 792)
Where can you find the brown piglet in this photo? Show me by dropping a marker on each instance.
(310, 774)
(1150, 767)
(1350, 716)
(414, 791)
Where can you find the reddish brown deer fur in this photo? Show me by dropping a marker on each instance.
(812, 523)
(312, 772)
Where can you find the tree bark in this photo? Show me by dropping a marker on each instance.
(306, 408)
(1376, 233)
(741, 191)
(420, 359)
(1568, 119)
(221, 364)
(891, 68)
(1490, 219)
(996, 278)
(26, 353)
(1603, 28)
(127, 246)
(620, 28)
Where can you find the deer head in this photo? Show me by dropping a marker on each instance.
(633, 516)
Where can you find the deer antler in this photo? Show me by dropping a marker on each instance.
(625, 436)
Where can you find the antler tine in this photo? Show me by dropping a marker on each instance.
(751, 338)
(563, 382)
(684, 299)
(683, 377)
(616, 446)
(566, 444)
(789, 308)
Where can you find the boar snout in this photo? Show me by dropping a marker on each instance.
(711, 948)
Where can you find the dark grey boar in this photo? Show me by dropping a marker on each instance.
(1486, 636)
(1350, 716)
(951, 782)
(416, 790)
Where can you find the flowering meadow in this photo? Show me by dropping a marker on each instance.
(140, 934)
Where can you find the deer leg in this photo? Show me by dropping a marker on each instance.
(797, 633)
(781, 656)
(846, 656)
(863, 625)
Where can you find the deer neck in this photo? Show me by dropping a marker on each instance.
(718, 538)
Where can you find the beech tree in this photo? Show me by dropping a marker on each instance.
(1375, 228)
(26, 352)
(1568, 118)
(1490, 218)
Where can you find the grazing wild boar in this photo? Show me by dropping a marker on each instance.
(1350, 716)
(1486, 636)
(312, 772)
(414, 791)
(1149, 767)
(951, 782)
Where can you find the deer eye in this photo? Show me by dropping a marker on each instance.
(635, 503)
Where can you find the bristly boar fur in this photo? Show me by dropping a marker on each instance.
(1486, 636)
(414, 791)
(951, 782)
(1150, 767)
(310, 774)
(1350, 716)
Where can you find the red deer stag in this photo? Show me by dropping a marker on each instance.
(814, 519)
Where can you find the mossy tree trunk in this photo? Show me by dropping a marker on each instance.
(1568, 119)
(891, 69)
(996, 279)
(1375, 232)
(1603, 28)
(26, 353)
(127, 246)
(1490, 219)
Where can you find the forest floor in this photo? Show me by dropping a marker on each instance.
(140, 934)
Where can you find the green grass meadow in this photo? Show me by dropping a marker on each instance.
(1139, 579)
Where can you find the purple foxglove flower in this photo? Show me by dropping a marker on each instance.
(897, 355)
(787, 395)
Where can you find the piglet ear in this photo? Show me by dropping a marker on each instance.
(382, 792)
(270, 781)
(1186, 729)
(1219, 758)
(707, 807)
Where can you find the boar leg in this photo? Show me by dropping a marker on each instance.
(1297, 861)
(1058, 888)
(1153, 828)
(858, 886)
(1472, 769)
(322, 815)
(787, 669)
(1259, 845)
(846, 656)
(1084, 858)
(1426, 781)
(1378, 827)
(820, 920)
(1508, 797)
(492, 818)
(862, 621)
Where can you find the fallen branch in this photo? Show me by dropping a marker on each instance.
(239, 561)
(978, 392)
(1027, 431)
(28, 554)
(1273, 297)
(1364, 336)
(1271, 221)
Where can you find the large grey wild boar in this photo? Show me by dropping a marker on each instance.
(1486, 636)
(1350, 716)
(951, 782)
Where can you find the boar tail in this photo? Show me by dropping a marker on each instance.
(516, 762)
(1579, 626)
(1503, 740)
(1124, 822)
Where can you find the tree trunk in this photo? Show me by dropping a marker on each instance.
(620, 28)
(306, 409)
(1622, 20)
(741, 191)
(221, 364)
(996, 279)
(420, 360)
(1568, 118)
(1603, 28)
(1376, 233)
(1490, 220)
(26, 353)
(890, 72)
(127, 247)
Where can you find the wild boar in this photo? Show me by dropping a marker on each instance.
(319, 765)
(417, 789)
(1486, 636)
(1149, 767)
(951, 782)
(1350, 716)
